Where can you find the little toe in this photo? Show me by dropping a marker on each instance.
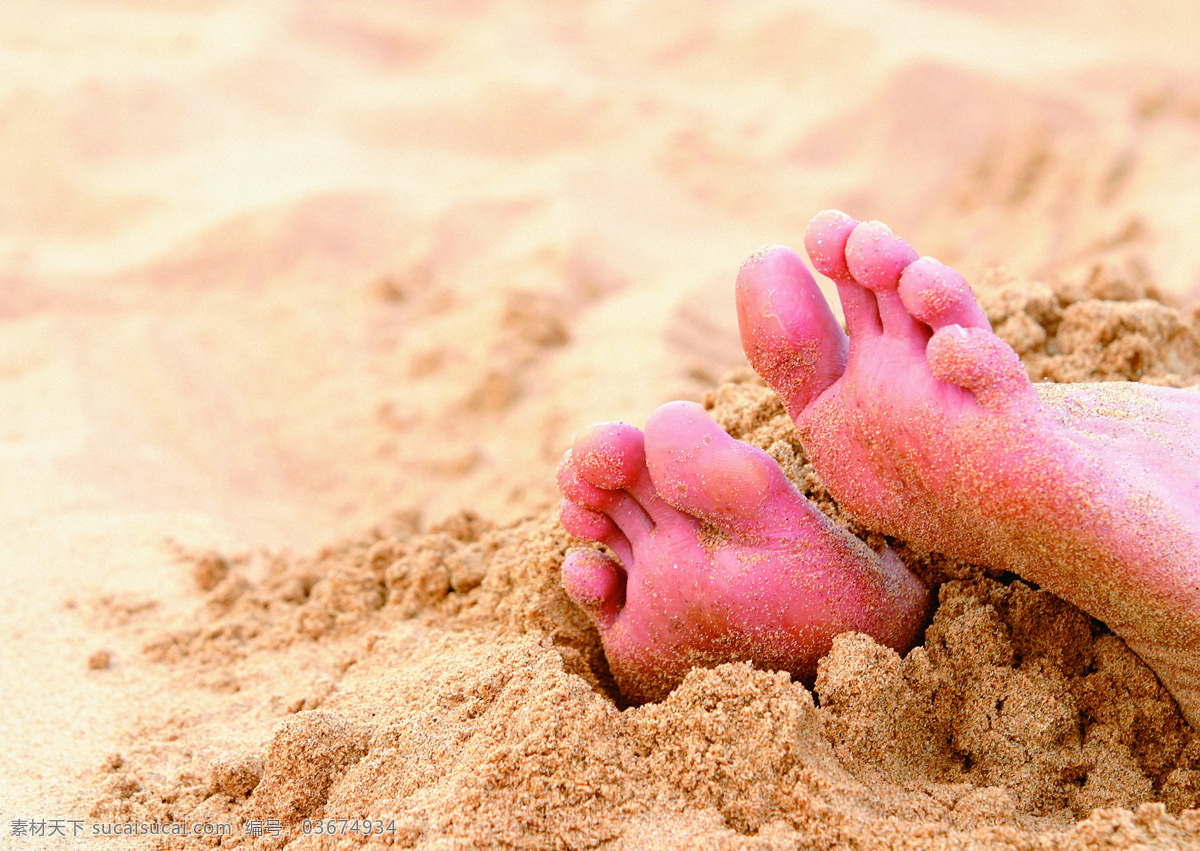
(788, 332)
(876, 258)
(825, 241)
(596, 583)
(977, 360)
(939, 296)
(702, 471)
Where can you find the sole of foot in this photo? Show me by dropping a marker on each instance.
(717, 557)
(923, 424)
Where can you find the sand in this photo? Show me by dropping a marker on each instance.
(301, 302)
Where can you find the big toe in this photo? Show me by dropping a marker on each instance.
(701, 470)
(788, 332)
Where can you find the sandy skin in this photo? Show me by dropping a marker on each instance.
(720, 558)
(923, 424)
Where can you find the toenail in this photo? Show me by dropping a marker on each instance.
(958, 331)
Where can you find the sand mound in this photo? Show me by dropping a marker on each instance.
(440, 681)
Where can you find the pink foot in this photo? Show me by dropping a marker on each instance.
(720, 558)
(924, 426)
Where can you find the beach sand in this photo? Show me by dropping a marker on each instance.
(300, 303)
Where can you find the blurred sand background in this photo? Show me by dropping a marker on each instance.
(273, 272)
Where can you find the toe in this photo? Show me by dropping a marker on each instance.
(939, 296)
(596, 583)
(788, 331)
(594, 526)
(573, 486)
(876, 258)
(979, 361)
(701, 470)
(825, 241)
(611, 457)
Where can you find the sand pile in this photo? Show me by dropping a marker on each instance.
(271, 270)
(440, 681)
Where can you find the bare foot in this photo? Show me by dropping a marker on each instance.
(721, 559)
(924, 425)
